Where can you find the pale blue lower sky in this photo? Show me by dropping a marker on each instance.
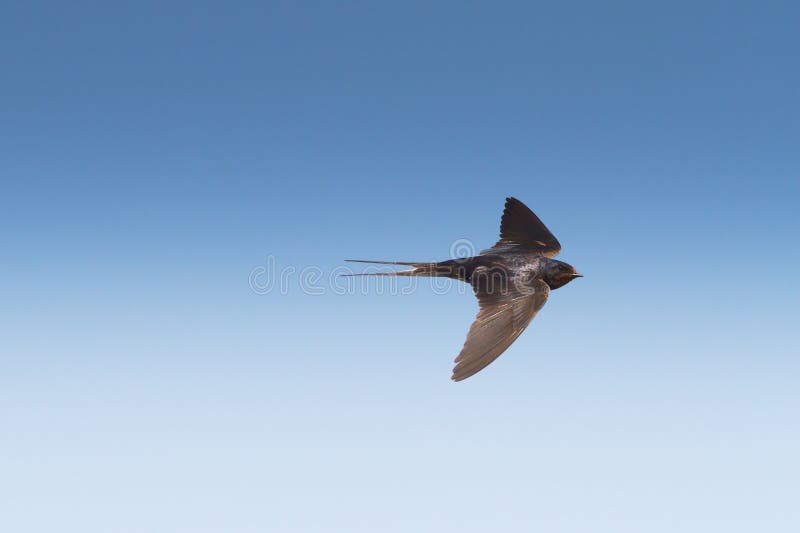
(152, 155)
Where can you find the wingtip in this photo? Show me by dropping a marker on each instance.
(511, 203)
(459, 375)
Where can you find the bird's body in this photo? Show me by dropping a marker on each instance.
(512, 281)
(525, 266)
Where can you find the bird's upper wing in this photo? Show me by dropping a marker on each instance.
(505, 313)
(520, 229)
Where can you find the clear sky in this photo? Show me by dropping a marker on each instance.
(156, 154)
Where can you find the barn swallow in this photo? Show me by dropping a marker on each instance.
(511, 280)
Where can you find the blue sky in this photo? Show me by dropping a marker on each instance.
(154, 154)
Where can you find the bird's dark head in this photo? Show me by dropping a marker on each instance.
(558, 273)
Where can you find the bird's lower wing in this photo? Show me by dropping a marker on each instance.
(505, 313)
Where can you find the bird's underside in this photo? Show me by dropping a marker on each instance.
(507, 280)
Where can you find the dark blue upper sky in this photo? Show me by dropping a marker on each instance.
(153, 153)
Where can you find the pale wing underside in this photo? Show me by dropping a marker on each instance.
(521, 229)
(505, 313)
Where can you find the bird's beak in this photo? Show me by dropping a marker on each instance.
(576, 275)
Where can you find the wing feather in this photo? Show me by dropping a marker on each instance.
(504, 314)
(520, 228)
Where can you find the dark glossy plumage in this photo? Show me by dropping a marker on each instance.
(512, 281)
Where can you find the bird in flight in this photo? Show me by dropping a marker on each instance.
(511, 280)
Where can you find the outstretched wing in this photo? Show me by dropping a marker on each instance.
(505, 313)
(520, 229)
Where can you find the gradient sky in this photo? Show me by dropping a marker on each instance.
(154, 154)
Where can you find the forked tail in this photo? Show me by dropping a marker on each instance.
(419, 269)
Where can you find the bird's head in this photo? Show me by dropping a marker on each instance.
(558, 273)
